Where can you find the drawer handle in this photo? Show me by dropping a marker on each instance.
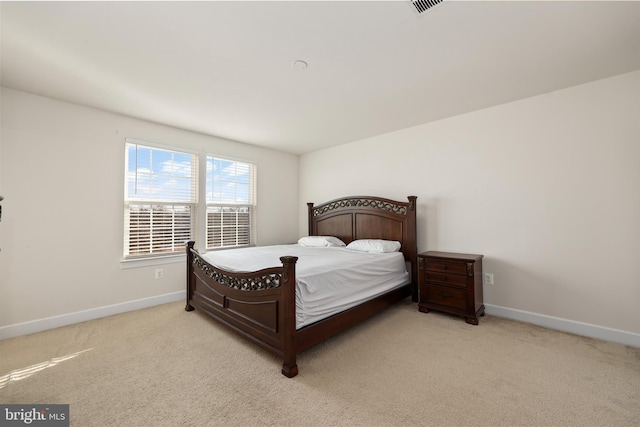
(446, 296)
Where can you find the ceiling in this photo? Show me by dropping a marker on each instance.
(225, 68)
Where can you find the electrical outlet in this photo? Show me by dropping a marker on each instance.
(488, 278)
(159, 273)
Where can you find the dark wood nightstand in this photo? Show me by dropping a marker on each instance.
(451, 283)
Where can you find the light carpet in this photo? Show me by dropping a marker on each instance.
(163, 366)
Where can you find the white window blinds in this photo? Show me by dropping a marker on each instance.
(230, 190)
(160, 199)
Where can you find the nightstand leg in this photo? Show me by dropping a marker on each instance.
(474, 320)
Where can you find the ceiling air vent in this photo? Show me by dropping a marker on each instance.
(421, 6)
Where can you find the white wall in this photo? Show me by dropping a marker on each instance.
(61, 234)
(547, 188)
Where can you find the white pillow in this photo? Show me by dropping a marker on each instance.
(320, 241)
(374, 245)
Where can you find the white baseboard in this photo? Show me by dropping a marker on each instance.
(39, 325)
(571, 326)
(564, 325)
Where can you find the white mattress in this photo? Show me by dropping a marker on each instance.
(329, 279)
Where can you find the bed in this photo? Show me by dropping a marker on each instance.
(261, 306)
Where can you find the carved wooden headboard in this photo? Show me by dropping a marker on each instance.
(368, 217)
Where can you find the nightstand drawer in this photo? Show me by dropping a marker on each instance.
(447, 279)
(447, 267)
(446, 296)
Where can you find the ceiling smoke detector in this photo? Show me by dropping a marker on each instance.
(421, 6)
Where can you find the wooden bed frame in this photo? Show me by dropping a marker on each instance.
(261, 306)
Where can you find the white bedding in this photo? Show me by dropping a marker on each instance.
(329, 279)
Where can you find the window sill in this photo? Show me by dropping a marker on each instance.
(147, 262)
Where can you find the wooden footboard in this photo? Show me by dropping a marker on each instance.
(259, 306)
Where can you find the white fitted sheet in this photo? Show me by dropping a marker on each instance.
(329, 279)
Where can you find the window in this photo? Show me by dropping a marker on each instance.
(160, 200)
(230, 202)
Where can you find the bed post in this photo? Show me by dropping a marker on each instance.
(289, 350)
(310, 218)
(413, 250)
(189, 247)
